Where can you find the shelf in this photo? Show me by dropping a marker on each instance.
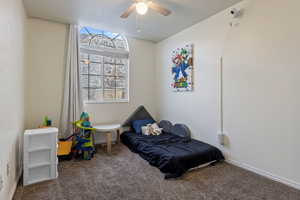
(39, 165)
(38, 180)
(39, 149)
(40, 159)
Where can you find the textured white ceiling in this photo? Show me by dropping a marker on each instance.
(105, 14)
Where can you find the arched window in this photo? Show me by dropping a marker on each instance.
(104, 66)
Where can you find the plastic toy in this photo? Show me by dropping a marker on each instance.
(84, 143)
(47, 122)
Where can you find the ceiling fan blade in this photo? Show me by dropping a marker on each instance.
(159, 8)
(128, 11)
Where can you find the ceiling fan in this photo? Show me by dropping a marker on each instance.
(141, 7)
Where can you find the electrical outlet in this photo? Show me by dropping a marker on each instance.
(1, 183)
(7, 169)
(222, 138)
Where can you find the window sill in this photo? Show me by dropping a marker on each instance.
(106, 102)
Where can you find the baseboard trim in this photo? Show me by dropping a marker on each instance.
(13, 190)
(265, 174)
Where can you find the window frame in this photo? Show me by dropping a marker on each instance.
(125, 52)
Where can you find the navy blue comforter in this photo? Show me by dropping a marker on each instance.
(170, 153)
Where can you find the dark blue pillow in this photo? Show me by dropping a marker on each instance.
(137, 124)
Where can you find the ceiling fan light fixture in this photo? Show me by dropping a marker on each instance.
(141, 8)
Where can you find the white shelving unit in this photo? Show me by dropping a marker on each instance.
(40, 155)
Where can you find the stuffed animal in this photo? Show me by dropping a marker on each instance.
(151, 129)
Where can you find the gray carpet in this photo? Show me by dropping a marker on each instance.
(125, 176)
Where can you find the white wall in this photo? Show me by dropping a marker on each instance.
(261, 79)
(46, 47)
(12, 71)
(45, 71)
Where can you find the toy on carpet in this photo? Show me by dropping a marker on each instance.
(84, 142)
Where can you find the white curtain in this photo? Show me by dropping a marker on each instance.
(72, 101)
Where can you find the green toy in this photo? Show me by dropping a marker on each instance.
(84, 144)
(47, 121)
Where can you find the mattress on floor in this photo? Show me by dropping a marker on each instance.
(170, 153)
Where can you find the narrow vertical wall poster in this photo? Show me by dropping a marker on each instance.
(182, 69)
